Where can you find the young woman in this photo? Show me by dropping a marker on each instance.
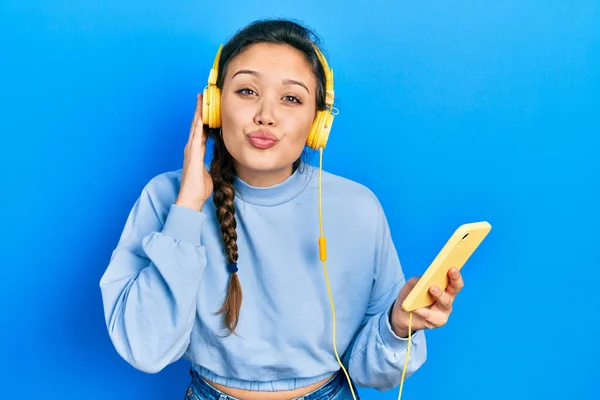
(221, 265)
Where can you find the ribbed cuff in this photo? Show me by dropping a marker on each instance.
(184, 224)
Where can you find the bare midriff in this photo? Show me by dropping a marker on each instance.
(243, 394)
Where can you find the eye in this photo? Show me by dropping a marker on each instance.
(293, 99)
(246, 91)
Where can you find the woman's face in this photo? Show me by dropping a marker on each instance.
(268, 105)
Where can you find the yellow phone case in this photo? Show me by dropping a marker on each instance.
(455, 253)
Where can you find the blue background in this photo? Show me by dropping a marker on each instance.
(450, 112)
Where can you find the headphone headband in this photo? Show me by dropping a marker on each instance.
(329, 93)
(214, 72)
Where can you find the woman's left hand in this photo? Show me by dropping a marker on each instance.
(430, 317)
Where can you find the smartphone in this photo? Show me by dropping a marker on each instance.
(455, 253)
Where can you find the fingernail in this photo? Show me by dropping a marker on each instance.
(434, 289)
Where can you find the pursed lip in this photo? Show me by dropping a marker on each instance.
(264, 134)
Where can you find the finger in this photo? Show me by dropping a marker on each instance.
(194, 122)
(443, 300)
(456, 282)
(197, 112)
(199, 105)
(422, 312)
(431, 318)
(199, 132)
(408, 286)
(412, 281)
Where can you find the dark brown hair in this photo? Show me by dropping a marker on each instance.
(278, 31)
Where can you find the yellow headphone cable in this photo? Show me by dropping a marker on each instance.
(323, 256)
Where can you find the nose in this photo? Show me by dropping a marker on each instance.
(264, 116)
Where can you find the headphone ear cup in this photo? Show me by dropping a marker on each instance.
(216, 107)
(319, 133)
(211, 107)
(311, 134)
(324, 136)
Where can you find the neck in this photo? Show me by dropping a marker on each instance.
(261, 178)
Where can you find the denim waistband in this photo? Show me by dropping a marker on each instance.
(206, 391)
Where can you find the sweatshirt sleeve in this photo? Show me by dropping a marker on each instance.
(376, 356)
(149, 289)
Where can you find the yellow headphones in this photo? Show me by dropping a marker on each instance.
(319, 132)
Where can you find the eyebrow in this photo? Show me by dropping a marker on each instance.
(258, 74)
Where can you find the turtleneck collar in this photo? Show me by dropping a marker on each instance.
(276, 194)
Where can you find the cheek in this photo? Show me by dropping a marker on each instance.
(302, 123)
(233, 115)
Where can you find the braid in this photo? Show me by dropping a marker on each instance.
(222, 172)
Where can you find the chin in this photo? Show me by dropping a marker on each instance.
(264, 162)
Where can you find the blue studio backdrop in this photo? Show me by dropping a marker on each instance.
(451, 112)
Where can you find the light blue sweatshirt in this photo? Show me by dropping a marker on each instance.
(167, 278)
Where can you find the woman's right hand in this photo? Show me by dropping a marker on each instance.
(196, 183)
